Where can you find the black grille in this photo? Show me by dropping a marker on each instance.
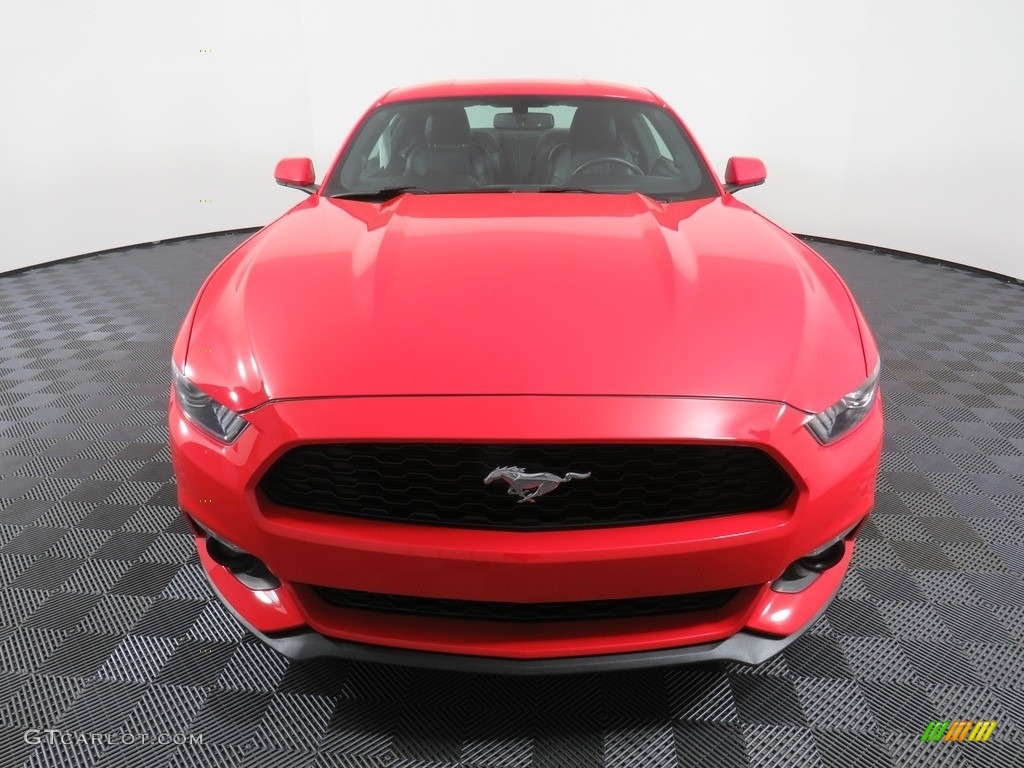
(526, 612)
(443, 483)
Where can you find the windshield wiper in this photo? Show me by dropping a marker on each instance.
(661, 197)
(388, 193)
(575, 189)
(380, 195)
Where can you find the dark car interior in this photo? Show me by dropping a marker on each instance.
(589, 144)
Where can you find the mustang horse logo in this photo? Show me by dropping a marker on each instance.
(529, 485)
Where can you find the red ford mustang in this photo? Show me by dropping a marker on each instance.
(521, 387)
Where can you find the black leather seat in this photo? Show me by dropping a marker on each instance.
(492, 147)
(592, 135)
(540, 163)
(448, 157)
(407, 135)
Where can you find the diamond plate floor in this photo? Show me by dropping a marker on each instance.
(108, 627)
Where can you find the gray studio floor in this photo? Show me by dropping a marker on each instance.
(107, 624)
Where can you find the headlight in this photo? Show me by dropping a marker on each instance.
(205, 412)
(837, 420)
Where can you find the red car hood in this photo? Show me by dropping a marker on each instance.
(554, 294)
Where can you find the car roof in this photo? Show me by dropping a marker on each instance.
(473, 88)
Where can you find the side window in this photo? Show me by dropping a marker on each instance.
(671, 143)
(563, 115)
(380, 153)
(658, 141)
(482, 115)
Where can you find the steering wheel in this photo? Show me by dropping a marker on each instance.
(594, 161)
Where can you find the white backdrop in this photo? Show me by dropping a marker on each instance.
(889, 122)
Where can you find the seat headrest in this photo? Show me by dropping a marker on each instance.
(408, 132)
(448, 128)
(592, 127)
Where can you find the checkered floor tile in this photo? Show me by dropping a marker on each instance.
(110, 637)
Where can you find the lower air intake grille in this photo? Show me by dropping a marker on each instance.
(525, 612)
(443, 483)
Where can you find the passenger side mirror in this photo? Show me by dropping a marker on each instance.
(296, 172)
(743, 172)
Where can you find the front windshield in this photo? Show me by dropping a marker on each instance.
(521, 143)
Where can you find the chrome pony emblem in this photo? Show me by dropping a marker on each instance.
(529, 485)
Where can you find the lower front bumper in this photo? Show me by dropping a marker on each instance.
(288, 634)
(745, 647)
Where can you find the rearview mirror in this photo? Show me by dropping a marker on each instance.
(296, 172)
(524, 121)
(743, 172)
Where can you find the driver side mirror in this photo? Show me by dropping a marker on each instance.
(296, 172)
(743, 172)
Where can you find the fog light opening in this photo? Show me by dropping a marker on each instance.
(805, 571)
(822, 560)
(245, 567)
